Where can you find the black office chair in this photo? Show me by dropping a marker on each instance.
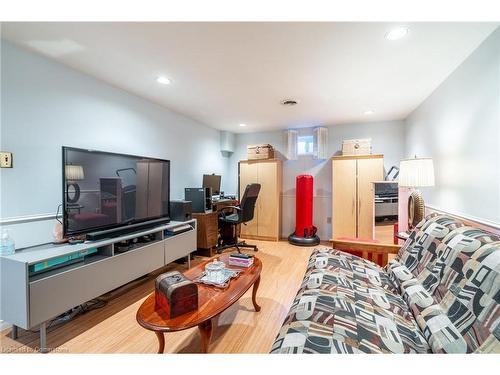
(228, 237)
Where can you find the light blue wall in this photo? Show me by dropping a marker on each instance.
(46, 105)
(459, 127)
(387, 138)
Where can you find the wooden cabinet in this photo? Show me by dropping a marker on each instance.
(208, 230)
(352, 195)
(369, 170)
(266, 223)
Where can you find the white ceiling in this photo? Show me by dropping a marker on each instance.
(224, 74)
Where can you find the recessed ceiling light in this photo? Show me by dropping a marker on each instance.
(243, 125)
(369, 112)
(163, 80)
(397, 33)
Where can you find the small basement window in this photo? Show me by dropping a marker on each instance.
(305, 145)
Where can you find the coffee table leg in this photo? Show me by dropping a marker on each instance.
(254, 294)
(161, 342)
(206, 333)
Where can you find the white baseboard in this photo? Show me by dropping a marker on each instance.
(465, 216)
(4, 325)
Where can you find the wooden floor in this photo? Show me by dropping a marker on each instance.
(113, 328)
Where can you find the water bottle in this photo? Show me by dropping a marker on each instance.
(7, 246)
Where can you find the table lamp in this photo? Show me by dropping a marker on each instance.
(73, 173)
(415, 173)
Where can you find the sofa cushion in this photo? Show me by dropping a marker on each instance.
(398, 273)
(456, 250)
(468, 294)
(353, 267)
(348, 305)
(455, 299)
(440, 331)
(420, 248)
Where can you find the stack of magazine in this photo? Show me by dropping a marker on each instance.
(240, 260)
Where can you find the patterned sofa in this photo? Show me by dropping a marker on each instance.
(440, 294)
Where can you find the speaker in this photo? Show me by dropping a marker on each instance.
(180, 210)
(201, 199)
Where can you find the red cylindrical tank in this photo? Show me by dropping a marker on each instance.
(304, 206)
(305, 231)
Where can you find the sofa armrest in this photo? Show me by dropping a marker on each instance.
(368, 249)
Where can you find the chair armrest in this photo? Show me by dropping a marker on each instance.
(377, 248)
(368, 249)
(229, 207)
(221, 212)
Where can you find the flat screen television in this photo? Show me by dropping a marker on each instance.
(104, 192)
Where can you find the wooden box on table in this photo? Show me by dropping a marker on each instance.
(175, 294)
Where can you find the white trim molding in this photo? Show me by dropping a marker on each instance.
(465, 216)
(26, 219)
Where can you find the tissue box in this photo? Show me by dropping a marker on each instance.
(175, 294)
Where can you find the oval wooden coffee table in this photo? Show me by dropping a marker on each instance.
(211, 302)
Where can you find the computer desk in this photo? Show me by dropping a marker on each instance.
(208, 226)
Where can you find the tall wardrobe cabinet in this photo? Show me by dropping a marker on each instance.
(353, 196)
(266, 224)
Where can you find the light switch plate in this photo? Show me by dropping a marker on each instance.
(5, 159)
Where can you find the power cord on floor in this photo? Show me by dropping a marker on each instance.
(94, 304)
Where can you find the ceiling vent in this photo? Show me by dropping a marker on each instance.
(289, 102)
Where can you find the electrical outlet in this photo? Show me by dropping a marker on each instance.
(5, 160)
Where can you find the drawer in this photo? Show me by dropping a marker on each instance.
(179, 246)
(212, 226)
(55, 294)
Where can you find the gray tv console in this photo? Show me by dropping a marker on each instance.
(31, 300)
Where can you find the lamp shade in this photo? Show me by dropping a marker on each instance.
(74, 172)
(417, 172)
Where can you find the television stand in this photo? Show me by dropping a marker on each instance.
(30, 298)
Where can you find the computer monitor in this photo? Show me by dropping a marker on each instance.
(212, 181)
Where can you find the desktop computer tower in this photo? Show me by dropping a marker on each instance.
(180, 210)
(201, 199)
